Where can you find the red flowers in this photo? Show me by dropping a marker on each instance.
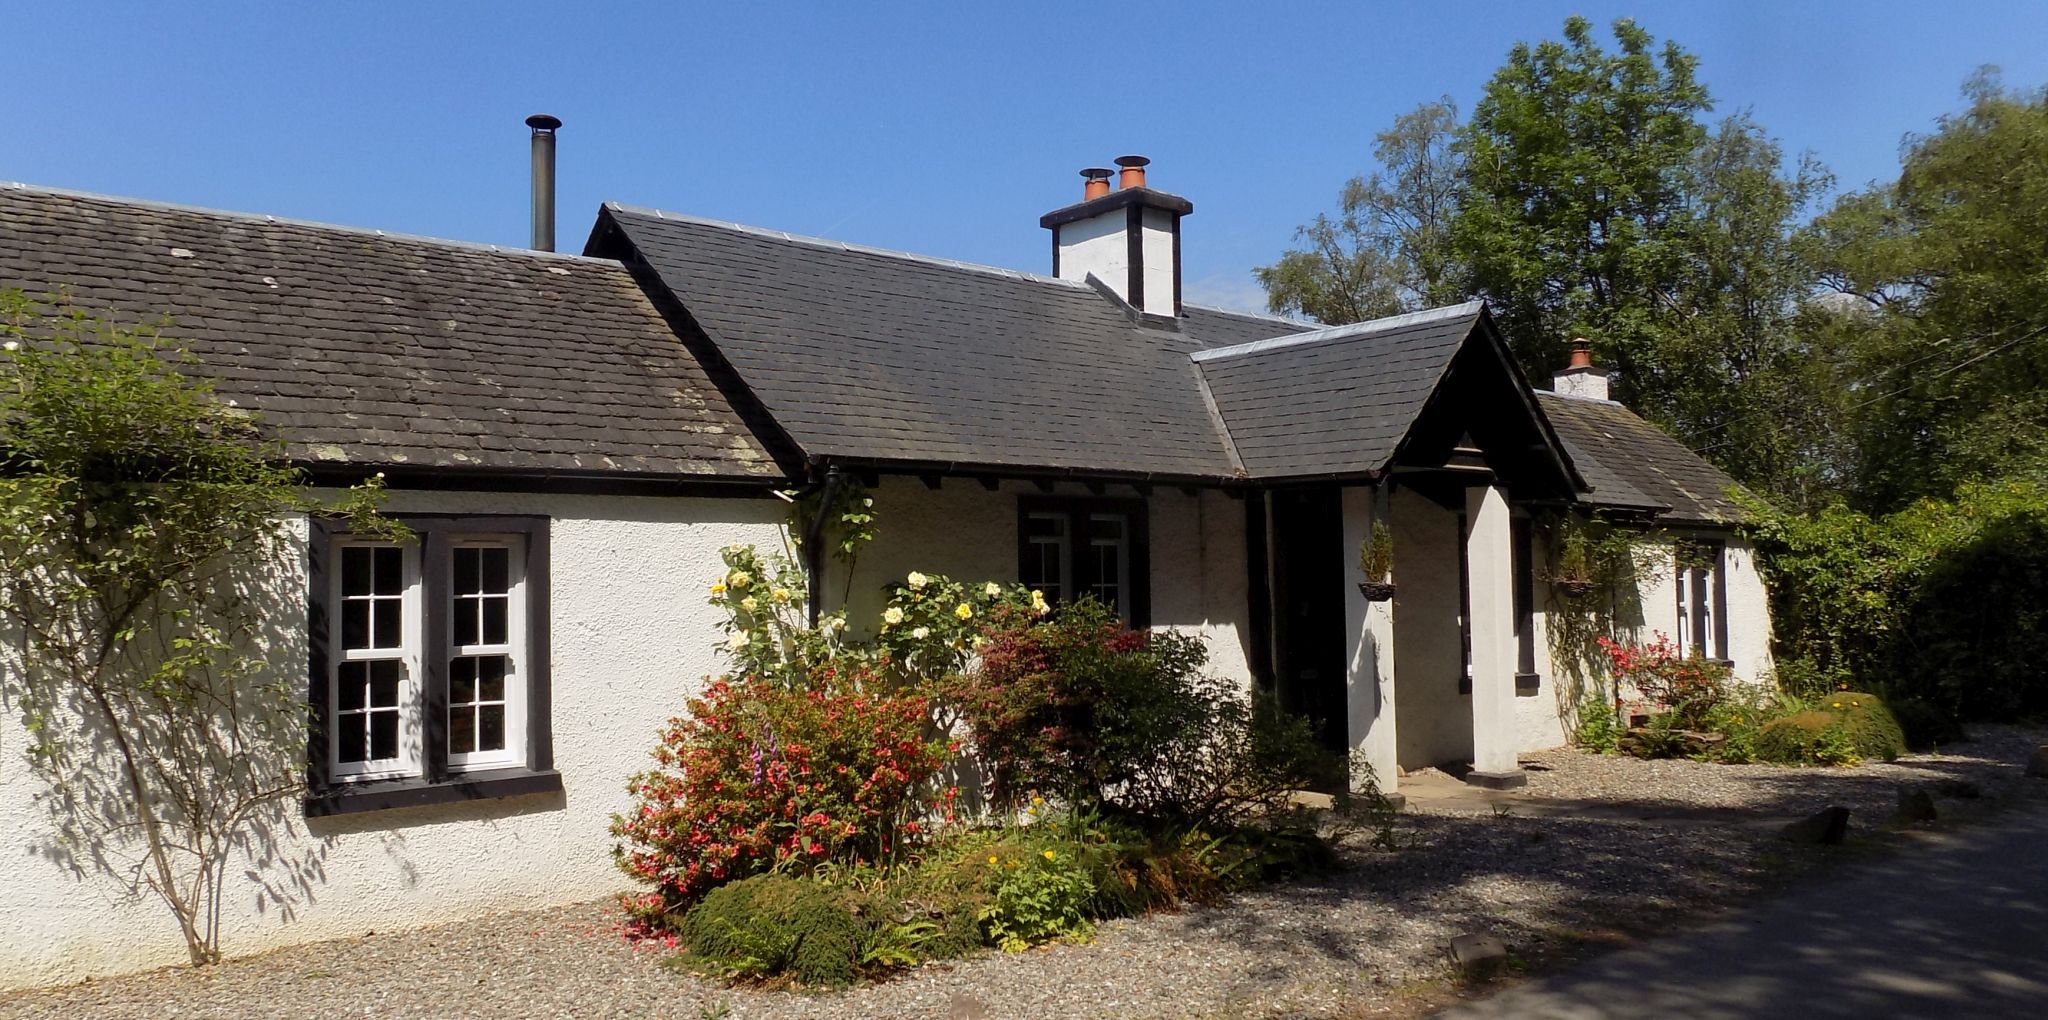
(1687, 686)
(758, 774)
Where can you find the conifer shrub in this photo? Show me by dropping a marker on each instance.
(772, 925)
(1845, 728)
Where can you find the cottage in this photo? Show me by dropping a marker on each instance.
(574, 437)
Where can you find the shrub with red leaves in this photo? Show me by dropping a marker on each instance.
(759, 776)
(1687, 686)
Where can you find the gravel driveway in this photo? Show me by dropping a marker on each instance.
(1661, 841)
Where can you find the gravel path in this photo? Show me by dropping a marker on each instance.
(1363, 942)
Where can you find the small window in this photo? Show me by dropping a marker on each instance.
(1045, 564)
(1067, 548)
(430, 669)
(1702, 598)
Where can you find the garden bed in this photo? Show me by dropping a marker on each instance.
(1363, 942)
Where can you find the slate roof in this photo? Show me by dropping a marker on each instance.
(1336, 400)
(364, 348)
(874, 355)
(1633, 464)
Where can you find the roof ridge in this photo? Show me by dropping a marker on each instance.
(1267, 316)
(826, 242)
(249, 217)
(1345, 332)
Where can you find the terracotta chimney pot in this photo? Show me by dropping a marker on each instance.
(1097, 182)
(1582, 353)
(1133, 175)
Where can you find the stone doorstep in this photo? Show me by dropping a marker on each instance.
(1511, 779)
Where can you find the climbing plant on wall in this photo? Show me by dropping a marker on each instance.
(144, 526)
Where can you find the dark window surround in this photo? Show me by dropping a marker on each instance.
(1716, 598)
(436, 784)
(1527, 680)
(1077, 508)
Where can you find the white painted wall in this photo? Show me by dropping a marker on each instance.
(1159, 267)
(969, 533)
(1491, 587)
(631, 638)
(1371, 717)
(1749, 612)
(1097, 245)
(1434, 721)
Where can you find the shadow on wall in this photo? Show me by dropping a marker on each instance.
(211, 759)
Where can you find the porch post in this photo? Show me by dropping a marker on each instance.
(1489, 559)
(1368, 650)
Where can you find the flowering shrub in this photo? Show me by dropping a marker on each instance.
(933, 625)
(767, 627)
(760, 776)
(1689, 687)
(1078, 706)
(1037, 898)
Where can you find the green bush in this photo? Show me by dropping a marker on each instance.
(1599, 725)
(1843, 729)
(1926, 724)
(1037, 898)
(772, 925)
(1899, 602)
(1082, 709)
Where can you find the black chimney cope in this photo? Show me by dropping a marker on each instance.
(544, 127)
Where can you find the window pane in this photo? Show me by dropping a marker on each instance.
(349, 730)
(349, 682)
(490, 726)
(384, 677)
(462, 680)
(465, 629)
(490, 684)
(461, 730)
(1106, 528)
(465, 571)
(355, 570)
(497, 570)
(383, 735)
(389, 574)
(355, 623)
(494, 620)
(1045, 525)
(388, 622)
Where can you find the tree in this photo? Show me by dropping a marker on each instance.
(1388, 250)
(1950, 264)
(142, 529)
(1575, 210)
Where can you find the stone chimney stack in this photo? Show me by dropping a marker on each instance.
(1127, 237)
(1580, 378)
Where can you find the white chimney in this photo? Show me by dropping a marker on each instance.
(1128, 238)
(1580, 378)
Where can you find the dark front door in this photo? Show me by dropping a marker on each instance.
(1308, 608)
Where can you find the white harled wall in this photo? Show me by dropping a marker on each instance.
(632, 637)
(969, 533)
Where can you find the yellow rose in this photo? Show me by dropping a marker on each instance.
(892, 615)
(750, 604)
(917, 580)
(964, 611)
(991, 589)
(739, 579)
(718, 589)
(780, 594)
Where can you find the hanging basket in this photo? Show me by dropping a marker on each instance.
(1376, 591)
(1575, 587)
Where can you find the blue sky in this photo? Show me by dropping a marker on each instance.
(938, 128)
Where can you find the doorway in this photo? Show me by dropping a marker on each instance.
(1308, 608)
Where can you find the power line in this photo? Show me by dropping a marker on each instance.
(1950, 370)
